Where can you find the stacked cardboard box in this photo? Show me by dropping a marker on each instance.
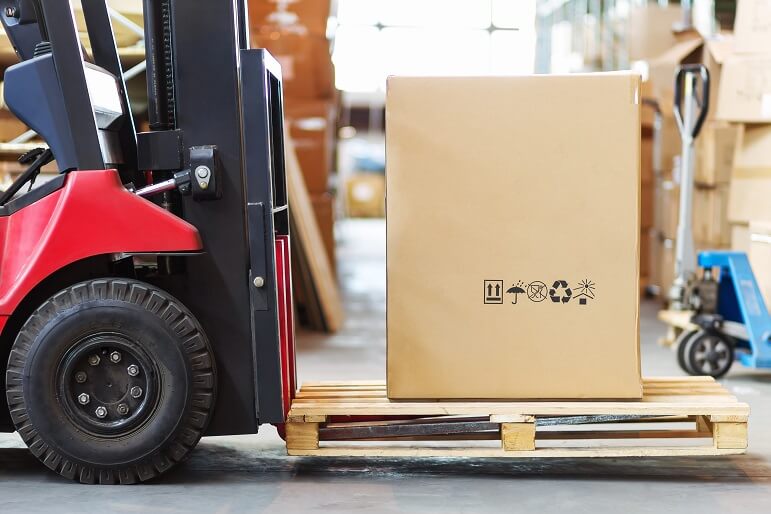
(295, 33)
(733, 151)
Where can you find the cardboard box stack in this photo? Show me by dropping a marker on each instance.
(295, 33)
(733, 151)
(519, 279)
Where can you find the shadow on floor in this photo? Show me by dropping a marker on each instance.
(211, 462)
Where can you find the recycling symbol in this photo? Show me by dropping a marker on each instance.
(560, 292)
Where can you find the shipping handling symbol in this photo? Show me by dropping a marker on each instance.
(585, 291)
(493, 291)
(516, 289)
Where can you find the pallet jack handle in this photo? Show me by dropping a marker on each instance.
(686, 85)
(691, 108)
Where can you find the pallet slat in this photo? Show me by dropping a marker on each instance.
(326, 416)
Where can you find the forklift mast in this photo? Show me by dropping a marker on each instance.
(216, 117)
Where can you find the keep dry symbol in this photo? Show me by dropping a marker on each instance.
(516, 290)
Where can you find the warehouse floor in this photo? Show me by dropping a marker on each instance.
(252, 473)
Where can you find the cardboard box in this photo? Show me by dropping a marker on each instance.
(488, 227)
(752, 26)
(669, 145)
(751, 177)
(710, 212)
(740, 237)
(365, 195)
(667, 202)
(710, 216)
(646, 156)
(300, 16)
(760, 257)
(324, 209)
(645, 253)
(649, 105)
(306, 64)
(745, 89)
(647, 207)
(715, 149)
(650, 30)
(661, 70)
(716, 50)
(10, 126)
(312, 125)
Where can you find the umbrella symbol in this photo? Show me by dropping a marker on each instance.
(516, 289)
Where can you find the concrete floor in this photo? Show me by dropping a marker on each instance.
(252, 473)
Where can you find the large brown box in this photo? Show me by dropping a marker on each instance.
(502, 194)
(312, 126)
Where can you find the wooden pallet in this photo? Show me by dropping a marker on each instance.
(676, 417)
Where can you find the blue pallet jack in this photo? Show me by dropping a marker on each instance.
(728, 318)
(740, 327)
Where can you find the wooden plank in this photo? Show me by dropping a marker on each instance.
(518, 436)
(302, 436)
(671, 407)
(482, 452)
(729, 435)
(311, 243)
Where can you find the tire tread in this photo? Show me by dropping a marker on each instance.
(191, 340)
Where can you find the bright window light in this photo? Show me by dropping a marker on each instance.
(377, 38)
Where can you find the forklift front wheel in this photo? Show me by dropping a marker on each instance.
(709, 353)
(111, 381)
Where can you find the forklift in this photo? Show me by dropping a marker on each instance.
(145, 295)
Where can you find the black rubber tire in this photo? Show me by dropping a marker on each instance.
(691, 348)
(682, 342)
(164, 329)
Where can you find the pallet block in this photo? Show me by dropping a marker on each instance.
(356, 418)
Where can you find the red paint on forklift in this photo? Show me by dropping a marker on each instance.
(93, 214)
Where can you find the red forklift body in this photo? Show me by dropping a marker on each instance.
(92, 210)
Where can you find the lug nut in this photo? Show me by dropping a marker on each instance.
(80, 377)
(83, 399)
(100, 412)
(133, 370)
(136, 392)
(94, 360)
(123, 409)
(115, 357)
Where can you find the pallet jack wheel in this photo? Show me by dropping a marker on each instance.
(111, 381)
(709, 354)
(680, 343)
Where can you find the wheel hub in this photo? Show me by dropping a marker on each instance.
(107, 384)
